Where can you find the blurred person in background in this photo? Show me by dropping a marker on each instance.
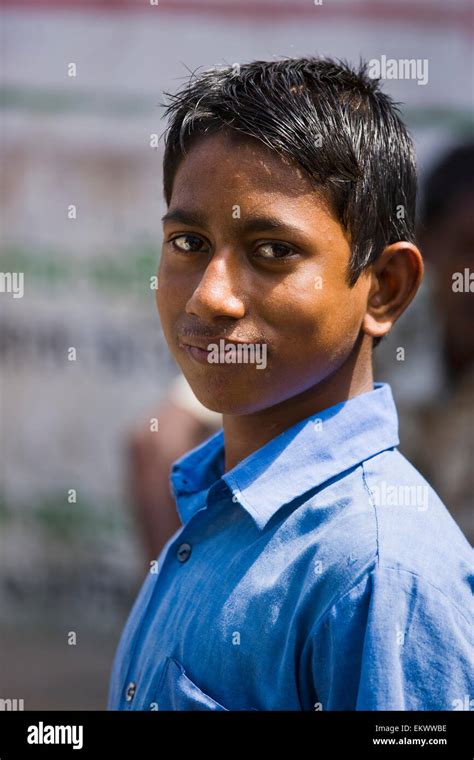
(183, 423)
(442, 428)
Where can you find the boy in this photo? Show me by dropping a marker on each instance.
(315, 568)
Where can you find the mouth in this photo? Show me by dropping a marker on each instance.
(197, 348)
(201, 355)
(200, 349)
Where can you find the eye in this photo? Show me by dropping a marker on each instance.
(275, 251)
(186, 243)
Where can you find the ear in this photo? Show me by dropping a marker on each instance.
(396, 276)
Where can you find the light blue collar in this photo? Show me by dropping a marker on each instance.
(300, 459)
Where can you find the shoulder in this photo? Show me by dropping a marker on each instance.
(383, 523)
(416, 534)
(393, 604)
(393, 641)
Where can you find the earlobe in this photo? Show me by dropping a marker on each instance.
(396, 276)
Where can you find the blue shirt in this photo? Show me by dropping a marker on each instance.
(321, 573)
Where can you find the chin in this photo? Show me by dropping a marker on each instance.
(224, 397)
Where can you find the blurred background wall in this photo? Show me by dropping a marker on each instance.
(75, 567)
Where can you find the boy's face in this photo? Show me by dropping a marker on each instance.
(285, 287)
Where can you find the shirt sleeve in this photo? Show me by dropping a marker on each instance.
(393, 642)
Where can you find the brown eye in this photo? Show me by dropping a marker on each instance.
(275, 251)
(186, 243)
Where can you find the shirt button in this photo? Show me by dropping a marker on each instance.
(130, 692)
(184, 552)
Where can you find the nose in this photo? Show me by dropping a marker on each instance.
(217, 294)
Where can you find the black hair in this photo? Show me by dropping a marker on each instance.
(447, 181)
(330, 119)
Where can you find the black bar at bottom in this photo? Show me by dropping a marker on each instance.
(152, 734)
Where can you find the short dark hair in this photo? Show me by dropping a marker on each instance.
(330, 119)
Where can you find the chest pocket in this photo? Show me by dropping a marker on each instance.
(177, 692)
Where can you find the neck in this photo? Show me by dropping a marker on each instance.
(244, 434)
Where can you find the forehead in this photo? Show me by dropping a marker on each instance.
(227, 169)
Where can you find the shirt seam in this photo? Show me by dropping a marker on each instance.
(367, 578)
(372, 504)
(383, 566)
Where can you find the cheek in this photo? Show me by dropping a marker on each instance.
(170, 293)
(315, 319)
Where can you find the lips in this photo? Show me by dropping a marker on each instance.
(199, 354)
(199, 348)
(195, 342)
(204, 343)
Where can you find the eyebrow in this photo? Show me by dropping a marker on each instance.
(251, 224)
